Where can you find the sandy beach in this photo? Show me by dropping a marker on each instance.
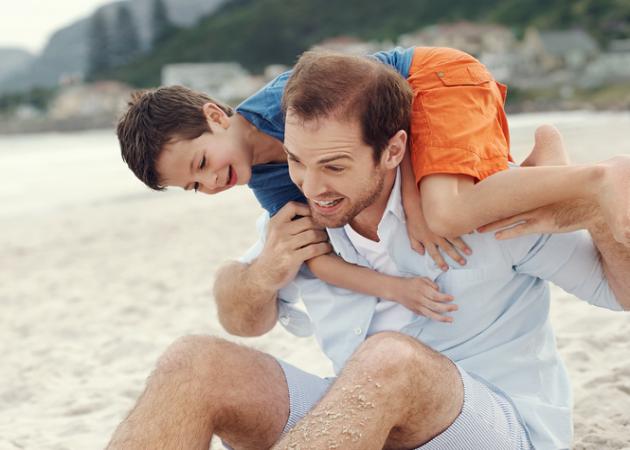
(98, 275)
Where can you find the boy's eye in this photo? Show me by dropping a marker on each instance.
(196, 186)
(202, 164)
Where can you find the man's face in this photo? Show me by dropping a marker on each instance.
(211, 163)
(334, 169)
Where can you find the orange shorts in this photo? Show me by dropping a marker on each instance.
(458, 122)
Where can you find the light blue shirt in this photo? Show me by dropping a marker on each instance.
(501, 332)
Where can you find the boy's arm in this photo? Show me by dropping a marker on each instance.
(246, 292)
(420, 235)
(455, 205)
(418, 294)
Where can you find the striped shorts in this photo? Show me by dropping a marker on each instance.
(488, 420)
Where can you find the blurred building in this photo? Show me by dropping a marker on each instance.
(557, 50)
(225, 81)
(103, 99)
(472, 38)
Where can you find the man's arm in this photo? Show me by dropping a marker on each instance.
(583, 263)
(246, 292)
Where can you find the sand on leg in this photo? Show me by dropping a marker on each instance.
(393, 393)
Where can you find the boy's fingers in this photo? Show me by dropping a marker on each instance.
(426, 312)
(417, 246)
(452, 251)
(440, 297)
(431, 283)
(461, 245)
(437, 257)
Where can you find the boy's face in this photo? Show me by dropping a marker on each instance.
(211, 163)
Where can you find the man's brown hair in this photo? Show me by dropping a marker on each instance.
(325, 84)
(154, 118)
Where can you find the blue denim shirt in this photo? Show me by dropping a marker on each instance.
(270, 182)
(501, 332)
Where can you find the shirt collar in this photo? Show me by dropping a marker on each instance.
(394, 204)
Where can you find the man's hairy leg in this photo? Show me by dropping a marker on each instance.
(393, 393)
(203, 386)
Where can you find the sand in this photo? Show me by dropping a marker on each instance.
(98, 276)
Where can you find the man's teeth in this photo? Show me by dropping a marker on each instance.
(327, 204)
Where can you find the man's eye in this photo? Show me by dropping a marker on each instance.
(196, 186)
(335, 168)
(202, 164)
(293, 160)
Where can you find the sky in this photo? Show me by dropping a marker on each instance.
(29, 23)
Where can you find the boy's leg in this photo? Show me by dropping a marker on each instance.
(203, 386)
(549, 149)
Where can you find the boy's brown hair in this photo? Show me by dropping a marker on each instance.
(154, 118)
(325, 84)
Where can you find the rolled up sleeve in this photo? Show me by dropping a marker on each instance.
(569, 260)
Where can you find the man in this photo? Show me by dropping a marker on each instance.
(492, 379)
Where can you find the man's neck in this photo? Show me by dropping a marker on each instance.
(367, 221)
(262, 147)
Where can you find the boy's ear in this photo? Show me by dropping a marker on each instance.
(395, 150)
(215, 115)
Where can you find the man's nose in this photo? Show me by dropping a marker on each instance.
(313, 184)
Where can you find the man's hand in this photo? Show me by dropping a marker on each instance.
(557, 218)
(291, 240)
(614, 197)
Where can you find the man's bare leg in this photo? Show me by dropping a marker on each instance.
(393, 393)
(549, 149)
(203, 386)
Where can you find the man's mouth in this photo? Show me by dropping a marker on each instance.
(326, 206)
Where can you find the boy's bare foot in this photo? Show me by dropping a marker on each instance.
(548, 148)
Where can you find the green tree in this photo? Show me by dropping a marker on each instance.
(125, 42)
(161, 26)
(99, 51)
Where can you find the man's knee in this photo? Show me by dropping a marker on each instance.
(192, 356)
(398, 355)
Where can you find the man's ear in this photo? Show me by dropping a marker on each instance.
(215, 116)
(395, 150)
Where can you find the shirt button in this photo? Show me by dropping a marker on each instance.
(284, 320)
(440, 74)
(357, 331)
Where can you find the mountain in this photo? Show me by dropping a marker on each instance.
(261, 32)
(13, 59)
(65, 54)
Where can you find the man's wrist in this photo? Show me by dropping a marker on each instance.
(261, 276)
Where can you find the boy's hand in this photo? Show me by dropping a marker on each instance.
(423, 239)
(422, 296)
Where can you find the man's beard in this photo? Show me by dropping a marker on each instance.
(365, 199)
